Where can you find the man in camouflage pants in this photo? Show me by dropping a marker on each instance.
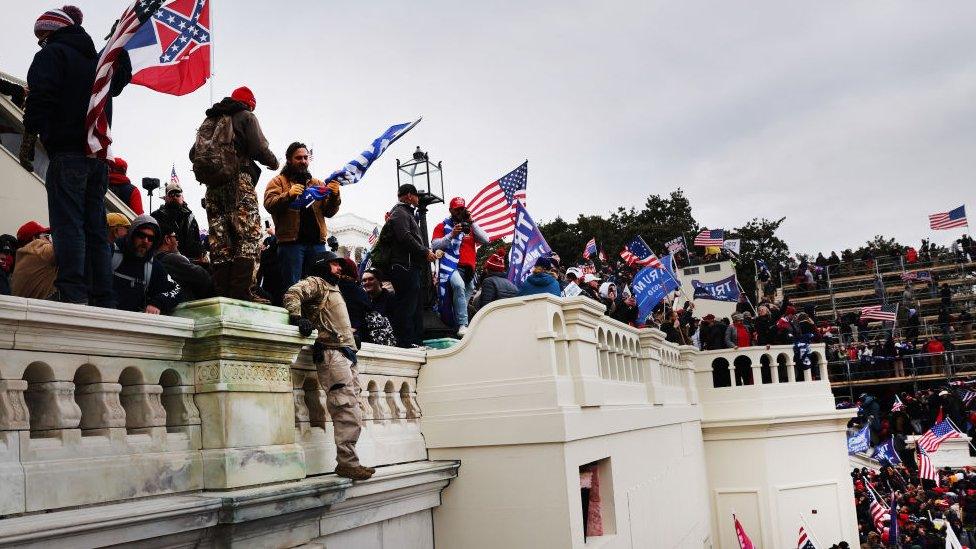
(315, 303)
(232, 209)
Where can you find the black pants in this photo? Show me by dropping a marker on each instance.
(406, 314)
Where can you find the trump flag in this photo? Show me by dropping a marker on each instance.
(170, 53)
(650, 286)
(528, 245)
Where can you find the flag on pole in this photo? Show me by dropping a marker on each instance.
(173, 178)
(925, 469)
(99, 135)
(934, 437)
(733, 245)
(859, 441)
(373, 237)
(804, 542)
(877, 510)
(886, 452)
(675, 245)
(898, 405)
(888, 312)
(353, 171)
(893, 521)
(707, 237)
(740, 534)
(171, 53)
(493, 208)
(590, 248)
(637, 252)
(949, 220)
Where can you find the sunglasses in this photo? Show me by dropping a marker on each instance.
(175, 193)
(144, 236)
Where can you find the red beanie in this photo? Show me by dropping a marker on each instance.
(495, 264)
(244, 95)
(118, 165)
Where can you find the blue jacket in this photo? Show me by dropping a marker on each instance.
(540, 283)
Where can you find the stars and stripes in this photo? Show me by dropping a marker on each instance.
(590, 248)
(934, 437)
(637, 252)
(925, 469)
(887, 312)
(949, 220)
(374, 236)
(493, 208)
(96, 122)
(898, 405)
(804, 541)
(877, 509)
(714, 237)
(173, 178)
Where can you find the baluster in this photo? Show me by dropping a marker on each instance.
(13, 407)
(101, 408)
(143, 408)
(52, 407)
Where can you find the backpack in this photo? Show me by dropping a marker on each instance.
(381, 254)
(215, 160)
(378, 329)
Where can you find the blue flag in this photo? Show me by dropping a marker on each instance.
(446, 267)
(650, 286)
(859, 442)
(353, 171)
(885, 453)
(726, 289)
(528, 245)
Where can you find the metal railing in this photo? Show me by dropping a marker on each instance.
(913, 368)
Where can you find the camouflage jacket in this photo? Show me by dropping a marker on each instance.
(321, 302)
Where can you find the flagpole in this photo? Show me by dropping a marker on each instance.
(961, 432)
(749, 301)
(810, 532)
(213, 58)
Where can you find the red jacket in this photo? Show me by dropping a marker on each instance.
(468, 245)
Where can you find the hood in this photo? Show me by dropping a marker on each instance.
(74, 37)
(539, 279)
(605, 289)
(226, 106)
(144, 220)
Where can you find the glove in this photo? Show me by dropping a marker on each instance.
(334, 187)
(296, 190)
(318, 353)
(305, 327)
(27, 151)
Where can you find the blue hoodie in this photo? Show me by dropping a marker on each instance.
(540, 283)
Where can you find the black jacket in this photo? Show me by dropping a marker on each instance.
(132, 290)
(495, 286)
(409, 247)
(187, 230)
(194, 280)
(60, 80)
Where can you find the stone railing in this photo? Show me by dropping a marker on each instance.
(751, 381)
(98, 405)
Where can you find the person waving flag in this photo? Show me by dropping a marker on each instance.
(637, 252)
(590, 249)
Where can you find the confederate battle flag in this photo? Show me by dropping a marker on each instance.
(171, 52)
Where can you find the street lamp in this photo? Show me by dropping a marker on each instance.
(428, 177)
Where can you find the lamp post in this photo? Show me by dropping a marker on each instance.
(428, 177)
(150, 184)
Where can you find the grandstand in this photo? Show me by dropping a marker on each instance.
(841, 291)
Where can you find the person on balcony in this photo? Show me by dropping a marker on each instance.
(119, 184)
(408, 256)
(35, 268)
(194, 280)
(460, 235)
(541, 280)
(316, 303)
(141, 282)
(494, 284)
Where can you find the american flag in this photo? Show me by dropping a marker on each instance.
(374, 236)
(493, 208)
(925, 469)
(602, 255)
(636, 252)
(590, 249)
(887, 312)
(919, 276)
(173, 178)
(949, 220)
(876, 509)
(676, 244)
(804, 542)
(939, 432)
(967, 396)
(898, 405)
(96, 122)
(713, 237)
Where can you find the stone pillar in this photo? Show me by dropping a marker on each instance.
(143, 408)
(14, 424)
(242, 354)
(52, 407)
(181, 412)
(100, 406)
(582, 316)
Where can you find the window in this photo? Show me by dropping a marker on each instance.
(596, 496)
(712, 268)
(691, 271)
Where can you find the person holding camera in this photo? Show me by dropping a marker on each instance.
(460, 235)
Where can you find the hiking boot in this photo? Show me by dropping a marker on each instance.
(355, 473)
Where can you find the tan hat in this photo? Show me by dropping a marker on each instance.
(117, 220)
(173, 186)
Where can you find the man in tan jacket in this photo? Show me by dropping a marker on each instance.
(316, 303)
(35, 268)
(301, 232)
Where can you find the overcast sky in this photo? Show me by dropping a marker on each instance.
(849, 118)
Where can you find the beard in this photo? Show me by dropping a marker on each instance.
(296, 173)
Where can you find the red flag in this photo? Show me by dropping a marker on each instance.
(171, 54)
(744, 541)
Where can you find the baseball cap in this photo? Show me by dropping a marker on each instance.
(457, 202)
(590, 277)
(173, 186)
(29, 230)
(115, 219)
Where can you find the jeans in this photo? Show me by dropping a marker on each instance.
(406, 315)
(76, 187)
(294, 259)
(462, 292)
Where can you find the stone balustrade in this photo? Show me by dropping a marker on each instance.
(100, 405)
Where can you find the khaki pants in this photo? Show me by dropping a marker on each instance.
(340, 379)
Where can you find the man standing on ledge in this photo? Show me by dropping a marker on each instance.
(302, 232)
(316, 303)
(232, 207)
(407, 257)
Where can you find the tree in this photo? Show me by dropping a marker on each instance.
(758, 241)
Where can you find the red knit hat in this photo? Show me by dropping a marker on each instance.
(118, 165)
(246, 96)
(495, 264)
(29, 230)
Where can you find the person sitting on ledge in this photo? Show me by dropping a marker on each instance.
(541, 281)
(141, 282)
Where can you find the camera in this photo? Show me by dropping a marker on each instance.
(466, 227)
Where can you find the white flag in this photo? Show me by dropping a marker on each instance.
(733, 245)
(952, 542)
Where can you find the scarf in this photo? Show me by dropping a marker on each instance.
(446, 267)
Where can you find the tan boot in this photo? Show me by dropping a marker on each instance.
(357, 472)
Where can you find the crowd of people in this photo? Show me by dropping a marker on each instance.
(925, 508)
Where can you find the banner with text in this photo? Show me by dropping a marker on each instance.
(650, 286)
(528, 245)
(726, 289)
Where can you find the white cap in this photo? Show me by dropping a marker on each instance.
(590, 277)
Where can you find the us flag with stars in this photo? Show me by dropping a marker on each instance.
(493, 208)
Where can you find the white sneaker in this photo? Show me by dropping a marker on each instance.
(462, 330)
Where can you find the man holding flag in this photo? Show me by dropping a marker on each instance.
(60, 80)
